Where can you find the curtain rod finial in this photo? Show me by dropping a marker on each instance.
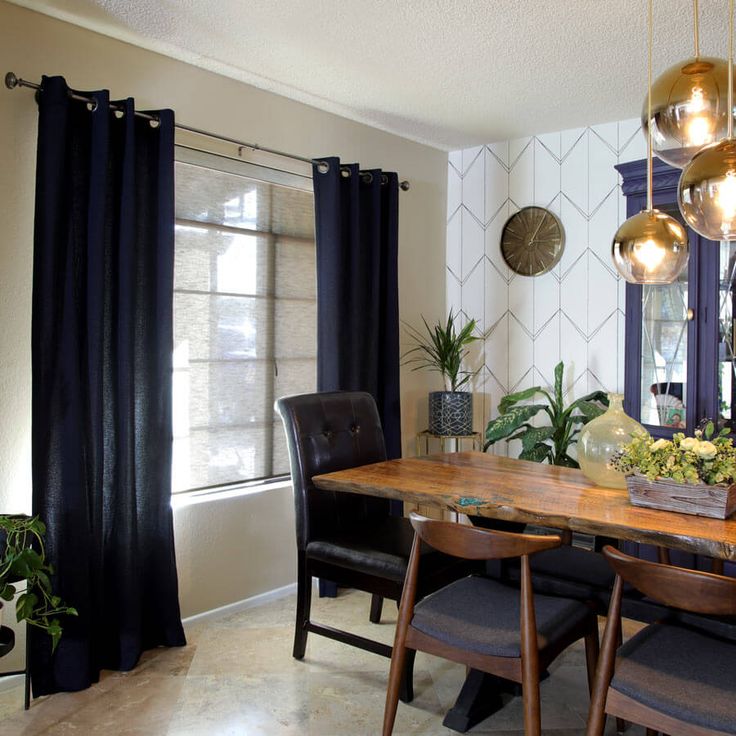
(405, 186)
(11, 81)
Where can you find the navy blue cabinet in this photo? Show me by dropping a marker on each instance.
(679, 342)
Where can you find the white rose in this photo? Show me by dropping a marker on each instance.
(706, 450)
(690, 443)
(659, 444)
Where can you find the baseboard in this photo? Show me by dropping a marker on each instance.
(244, 605)
(8, 682)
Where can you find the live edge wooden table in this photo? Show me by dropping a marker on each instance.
(479, 484)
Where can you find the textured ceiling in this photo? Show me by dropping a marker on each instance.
(450, 73)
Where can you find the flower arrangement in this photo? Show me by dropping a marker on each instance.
(699, 459)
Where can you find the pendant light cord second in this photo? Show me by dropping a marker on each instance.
(696, 28)
(729, 134)
(649, 110)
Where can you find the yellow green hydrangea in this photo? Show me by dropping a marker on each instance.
(699, 459)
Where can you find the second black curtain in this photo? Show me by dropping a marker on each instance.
(357, 228)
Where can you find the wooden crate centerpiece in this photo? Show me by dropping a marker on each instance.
(717, 501)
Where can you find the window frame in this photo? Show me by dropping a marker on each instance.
(239, 165)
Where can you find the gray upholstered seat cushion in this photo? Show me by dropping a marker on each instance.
(681, 672)
(482, 615)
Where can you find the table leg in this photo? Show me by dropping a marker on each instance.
(481, 695)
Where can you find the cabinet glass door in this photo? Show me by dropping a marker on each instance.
(664, 348)
(726, 336)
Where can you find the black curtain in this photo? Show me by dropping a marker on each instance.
(357, 224)
(101, 361)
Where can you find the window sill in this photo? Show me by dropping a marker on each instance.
(193, 498)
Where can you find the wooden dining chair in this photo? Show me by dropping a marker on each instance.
(483, 623)
(670, 678)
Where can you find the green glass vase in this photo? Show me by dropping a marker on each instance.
(601, 438)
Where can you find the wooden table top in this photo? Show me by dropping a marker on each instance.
(516, 490)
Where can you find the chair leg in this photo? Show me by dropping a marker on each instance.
(376, 608)
(396, 672)
(532, 707)
(621, 724)
(303, 606)
(406, 692)
(592, 650)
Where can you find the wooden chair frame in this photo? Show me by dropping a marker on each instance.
(473, 543)
(688, 590)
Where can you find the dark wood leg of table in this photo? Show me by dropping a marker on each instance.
(481, 696)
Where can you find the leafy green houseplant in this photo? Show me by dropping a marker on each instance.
(23, 557)
(443, 348)
(550, 441)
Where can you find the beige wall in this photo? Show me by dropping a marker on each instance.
(227, 550)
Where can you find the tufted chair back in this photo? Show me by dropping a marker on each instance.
(326, 432)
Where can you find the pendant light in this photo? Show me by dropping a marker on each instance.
(651, 247)
(707, 190)
(689, 107)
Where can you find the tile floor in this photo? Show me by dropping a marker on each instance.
(236, 677)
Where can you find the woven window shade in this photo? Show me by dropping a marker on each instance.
(245, 323)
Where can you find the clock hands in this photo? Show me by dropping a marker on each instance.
(534, 235)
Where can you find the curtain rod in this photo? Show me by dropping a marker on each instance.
(12, 81)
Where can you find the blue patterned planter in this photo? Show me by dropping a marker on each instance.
(450, 413)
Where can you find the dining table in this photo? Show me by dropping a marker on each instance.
(511, 490)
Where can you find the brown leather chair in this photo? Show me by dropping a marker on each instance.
(483, 623)
(347, 538)
(674, 676)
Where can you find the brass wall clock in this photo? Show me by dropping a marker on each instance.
(532, 241)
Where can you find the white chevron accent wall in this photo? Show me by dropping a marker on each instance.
(574, 313)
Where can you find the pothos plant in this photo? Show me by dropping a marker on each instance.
(550, 441)
(23, 557)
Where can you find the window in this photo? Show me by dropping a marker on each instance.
(244, 316)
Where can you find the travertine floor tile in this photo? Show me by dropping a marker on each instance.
(236, 676)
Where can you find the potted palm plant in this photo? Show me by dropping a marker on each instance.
(23, 557)
(443, 349)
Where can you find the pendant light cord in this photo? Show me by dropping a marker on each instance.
(696, 27)
(730, 70)
(649, 113)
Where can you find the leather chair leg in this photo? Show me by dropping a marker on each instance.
(303, 606)
(376, 608)
(406, 690)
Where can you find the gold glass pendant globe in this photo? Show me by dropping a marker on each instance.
(707, 191)
(689, 109)
(650, 248)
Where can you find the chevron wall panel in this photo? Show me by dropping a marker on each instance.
(576, 311)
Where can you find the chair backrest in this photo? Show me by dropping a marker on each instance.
(678, 587)
(473, 543)
(326, 432)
